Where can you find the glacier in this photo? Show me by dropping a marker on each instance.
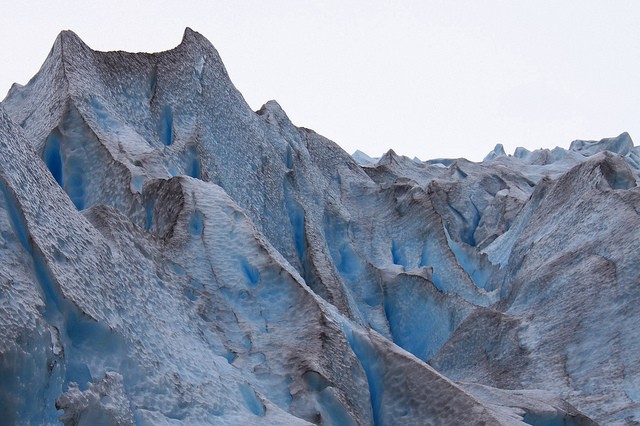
(170, 256)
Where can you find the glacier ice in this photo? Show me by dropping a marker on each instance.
(169, 256)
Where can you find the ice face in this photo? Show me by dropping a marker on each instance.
(170, 256)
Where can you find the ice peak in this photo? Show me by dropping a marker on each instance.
(497, 152)
(68, 36)
(273, 113)
(271, 106)
(363, 158)
(71, 47)
(190, 33)
(389, 157)
(193, 40)
(621, 144)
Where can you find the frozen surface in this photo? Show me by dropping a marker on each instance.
(168, 256)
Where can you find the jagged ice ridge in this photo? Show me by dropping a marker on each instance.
(169, 256)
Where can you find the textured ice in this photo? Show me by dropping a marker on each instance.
(168, 256)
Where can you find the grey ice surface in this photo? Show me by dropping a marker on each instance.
(169, 256)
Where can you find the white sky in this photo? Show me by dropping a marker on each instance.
(426, 78)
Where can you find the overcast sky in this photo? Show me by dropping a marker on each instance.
(426, 78)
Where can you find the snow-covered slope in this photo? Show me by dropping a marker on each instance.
(169, 256)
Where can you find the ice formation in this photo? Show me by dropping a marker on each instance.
(169, 256)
